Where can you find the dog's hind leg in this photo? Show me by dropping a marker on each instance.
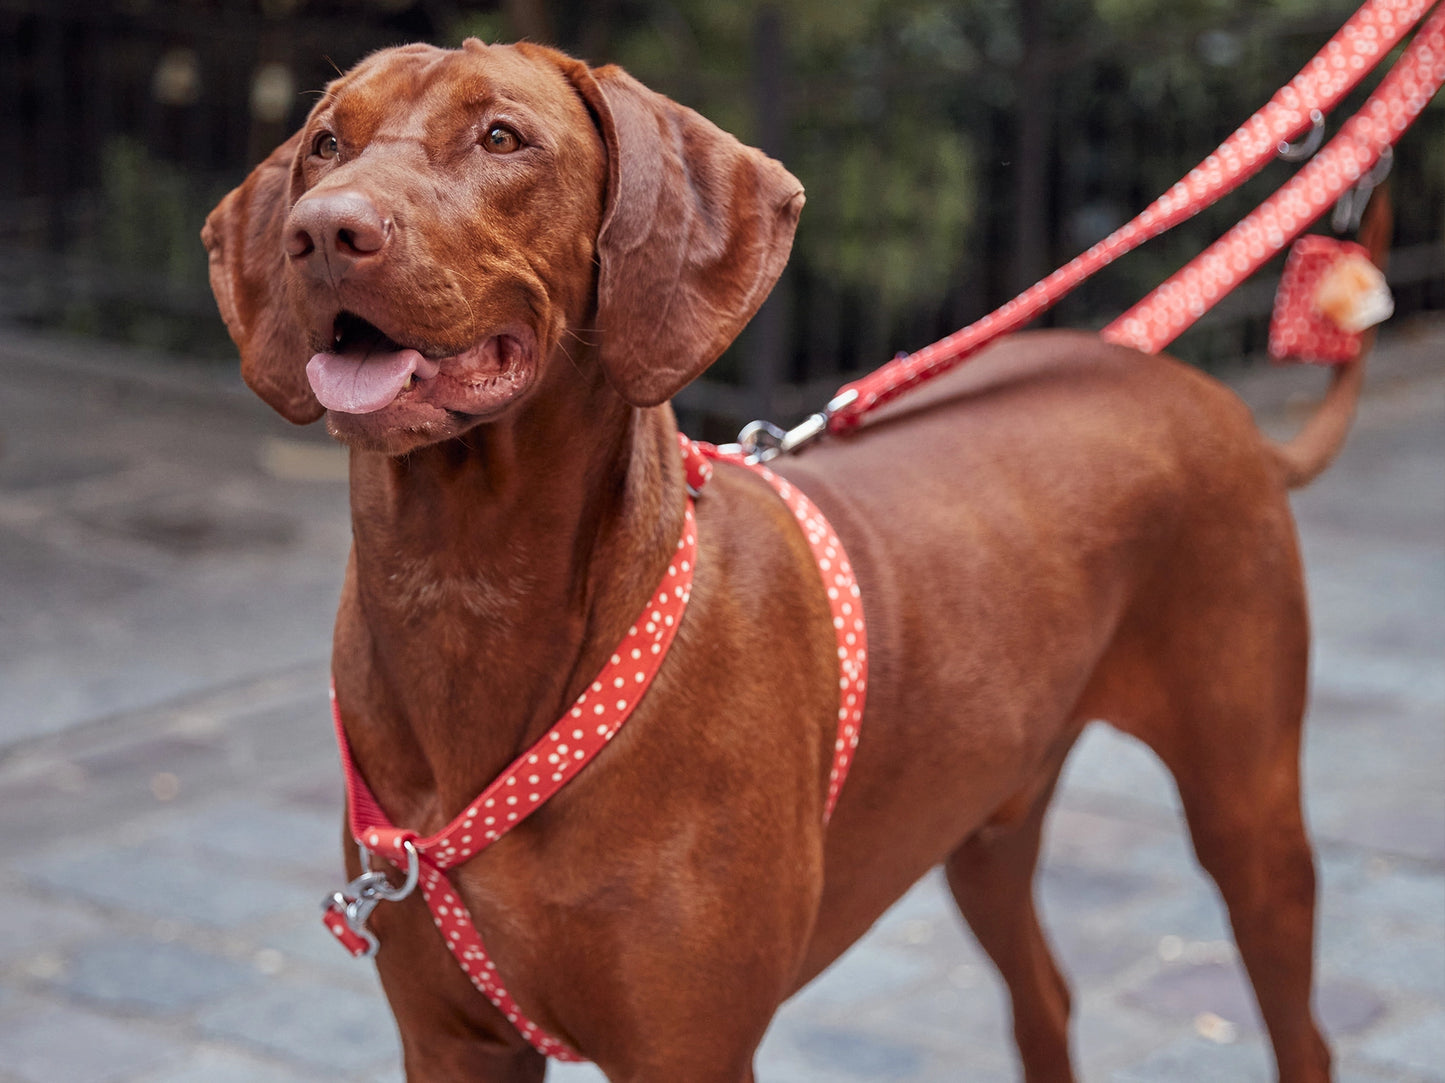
(1260, 858)
(1217, 688)
(992, 879)
(1243, 808)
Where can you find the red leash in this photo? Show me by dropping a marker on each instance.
(1351, 54)
(1368, 135)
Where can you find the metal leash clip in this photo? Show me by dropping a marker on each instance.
(762, 441)
(1351, 206)
(1305, 148)
(345, 912)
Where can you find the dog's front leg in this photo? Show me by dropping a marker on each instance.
(450, 1033)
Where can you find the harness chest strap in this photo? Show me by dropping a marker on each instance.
(587, 727)
(845, 604)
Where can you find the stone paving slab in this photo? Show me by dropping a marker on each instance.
(142, 976)
(171, 800)
(159, 524)
(46, 1044)
(312, 1024)
(214, 1066)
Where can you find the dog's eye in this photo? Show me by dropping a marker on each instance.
(501, 140)
(325, 146)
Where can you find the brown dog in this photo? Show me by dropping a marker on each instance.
(1061, 531)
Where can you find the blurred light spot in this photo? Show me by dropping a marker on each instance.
(165, 786)
(1220, 48)
(1215, 1028)
(269, 961)
(273, 93)
(177, 78)
(196, 723)
(917, 932)
(298, 460)
(1202, 952)
(45, 966)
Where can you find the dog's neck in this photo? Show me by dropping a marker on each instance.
(490, 579)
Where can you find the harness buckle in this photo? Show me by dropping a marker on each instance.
(346, 912)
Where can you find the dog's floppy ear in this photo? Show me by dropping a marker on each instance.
(695, 232)
(243, 237)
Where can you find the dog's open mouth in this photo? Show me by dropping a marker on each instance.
(365, 370)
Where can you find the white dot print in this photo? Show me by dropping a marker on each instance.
(837, 576)
(633, 663)
(636, 659)
(1151, 325)
(1370, 33)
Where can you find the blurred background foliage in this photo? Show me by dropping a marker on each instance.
(953, 153)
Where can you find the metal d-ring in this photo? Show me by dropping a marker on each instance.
(380, 884)
(360, 897)
(1299, 151)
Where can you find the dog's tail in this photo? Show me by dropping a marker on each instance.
(1315, 446)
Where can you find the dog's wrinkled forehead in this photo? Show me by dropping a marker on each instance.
(420, 92)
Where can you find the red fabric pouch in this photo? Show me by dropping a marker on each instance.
(1329, 294)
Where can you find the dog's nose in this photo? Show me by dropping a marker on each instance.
(344, 227)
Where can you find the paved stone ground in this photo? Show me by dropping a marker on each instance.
(169, 560)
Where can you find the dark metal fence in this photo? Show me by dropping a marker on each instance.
(952, 154)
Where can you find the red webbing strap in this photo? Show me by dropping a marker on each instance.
(1177, 303)
(592, 721)
(1360, 44)
(845, 604)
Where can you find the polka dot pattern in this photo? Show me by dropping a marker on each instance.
(353, 942)
(696, 466)
(592, 721)
(1175, 305)
(1368, 35)
(846, 605)
(455, 924)
(1298, 330)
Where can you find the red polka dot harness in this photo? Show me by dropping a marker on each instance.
(581, 733)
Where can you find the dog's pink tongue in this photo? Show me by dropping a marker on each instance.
(362, 383)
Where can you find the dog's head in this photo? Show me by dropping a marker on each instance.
(412, 259)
